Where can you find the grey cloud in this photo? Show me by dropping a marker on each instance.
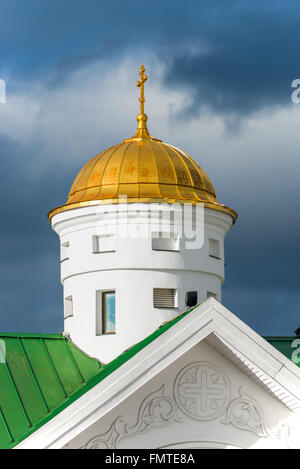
(248, 63)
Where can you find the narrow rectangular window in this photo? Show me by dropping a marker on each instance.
(214, 248)
(165, 242)
(211, 294)
(164, 297)
(106, 312)
(64, 251)
(68, 307)
(104, 243)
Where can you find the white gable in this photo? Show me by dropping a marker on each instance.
(200, 400)
(208, 381)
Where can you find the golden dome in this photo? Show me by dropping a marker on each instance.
(144, 169)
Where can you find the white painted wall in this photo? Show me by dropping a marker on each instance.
(134, 269)
(155, 417)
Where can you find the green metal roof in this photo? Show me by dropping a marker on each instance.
(43, 374)
(37, 374)
(287, 346)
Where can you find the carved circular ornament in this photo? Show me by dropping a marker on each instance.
(202, 391)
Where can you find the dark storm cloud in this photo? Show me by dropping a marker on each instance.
(39, 37)
(234, 56)
(246, 58)
(30, 294)
(263, 261)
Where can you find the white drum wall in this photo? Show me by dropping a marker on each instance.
(133, 270)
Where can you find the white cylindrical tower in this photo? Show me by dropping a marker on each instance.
(141, 228)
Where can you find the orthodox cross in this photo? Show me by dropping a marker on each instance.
(140, 84)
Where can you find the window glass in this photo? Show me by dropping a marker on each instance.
(109, 312)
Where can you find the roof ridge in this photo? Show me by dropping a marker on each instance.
(33, 335)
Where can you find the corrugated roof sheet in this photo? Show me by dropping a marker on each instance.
(37, 375)
(43, 374)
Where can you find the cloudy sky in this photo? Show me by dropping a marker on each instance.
(219, 87)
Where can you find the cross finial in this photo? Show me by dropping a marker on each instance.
(142, 131)
(140, 84)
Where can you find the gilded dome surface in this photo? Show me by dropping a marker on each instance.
(144, 169)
